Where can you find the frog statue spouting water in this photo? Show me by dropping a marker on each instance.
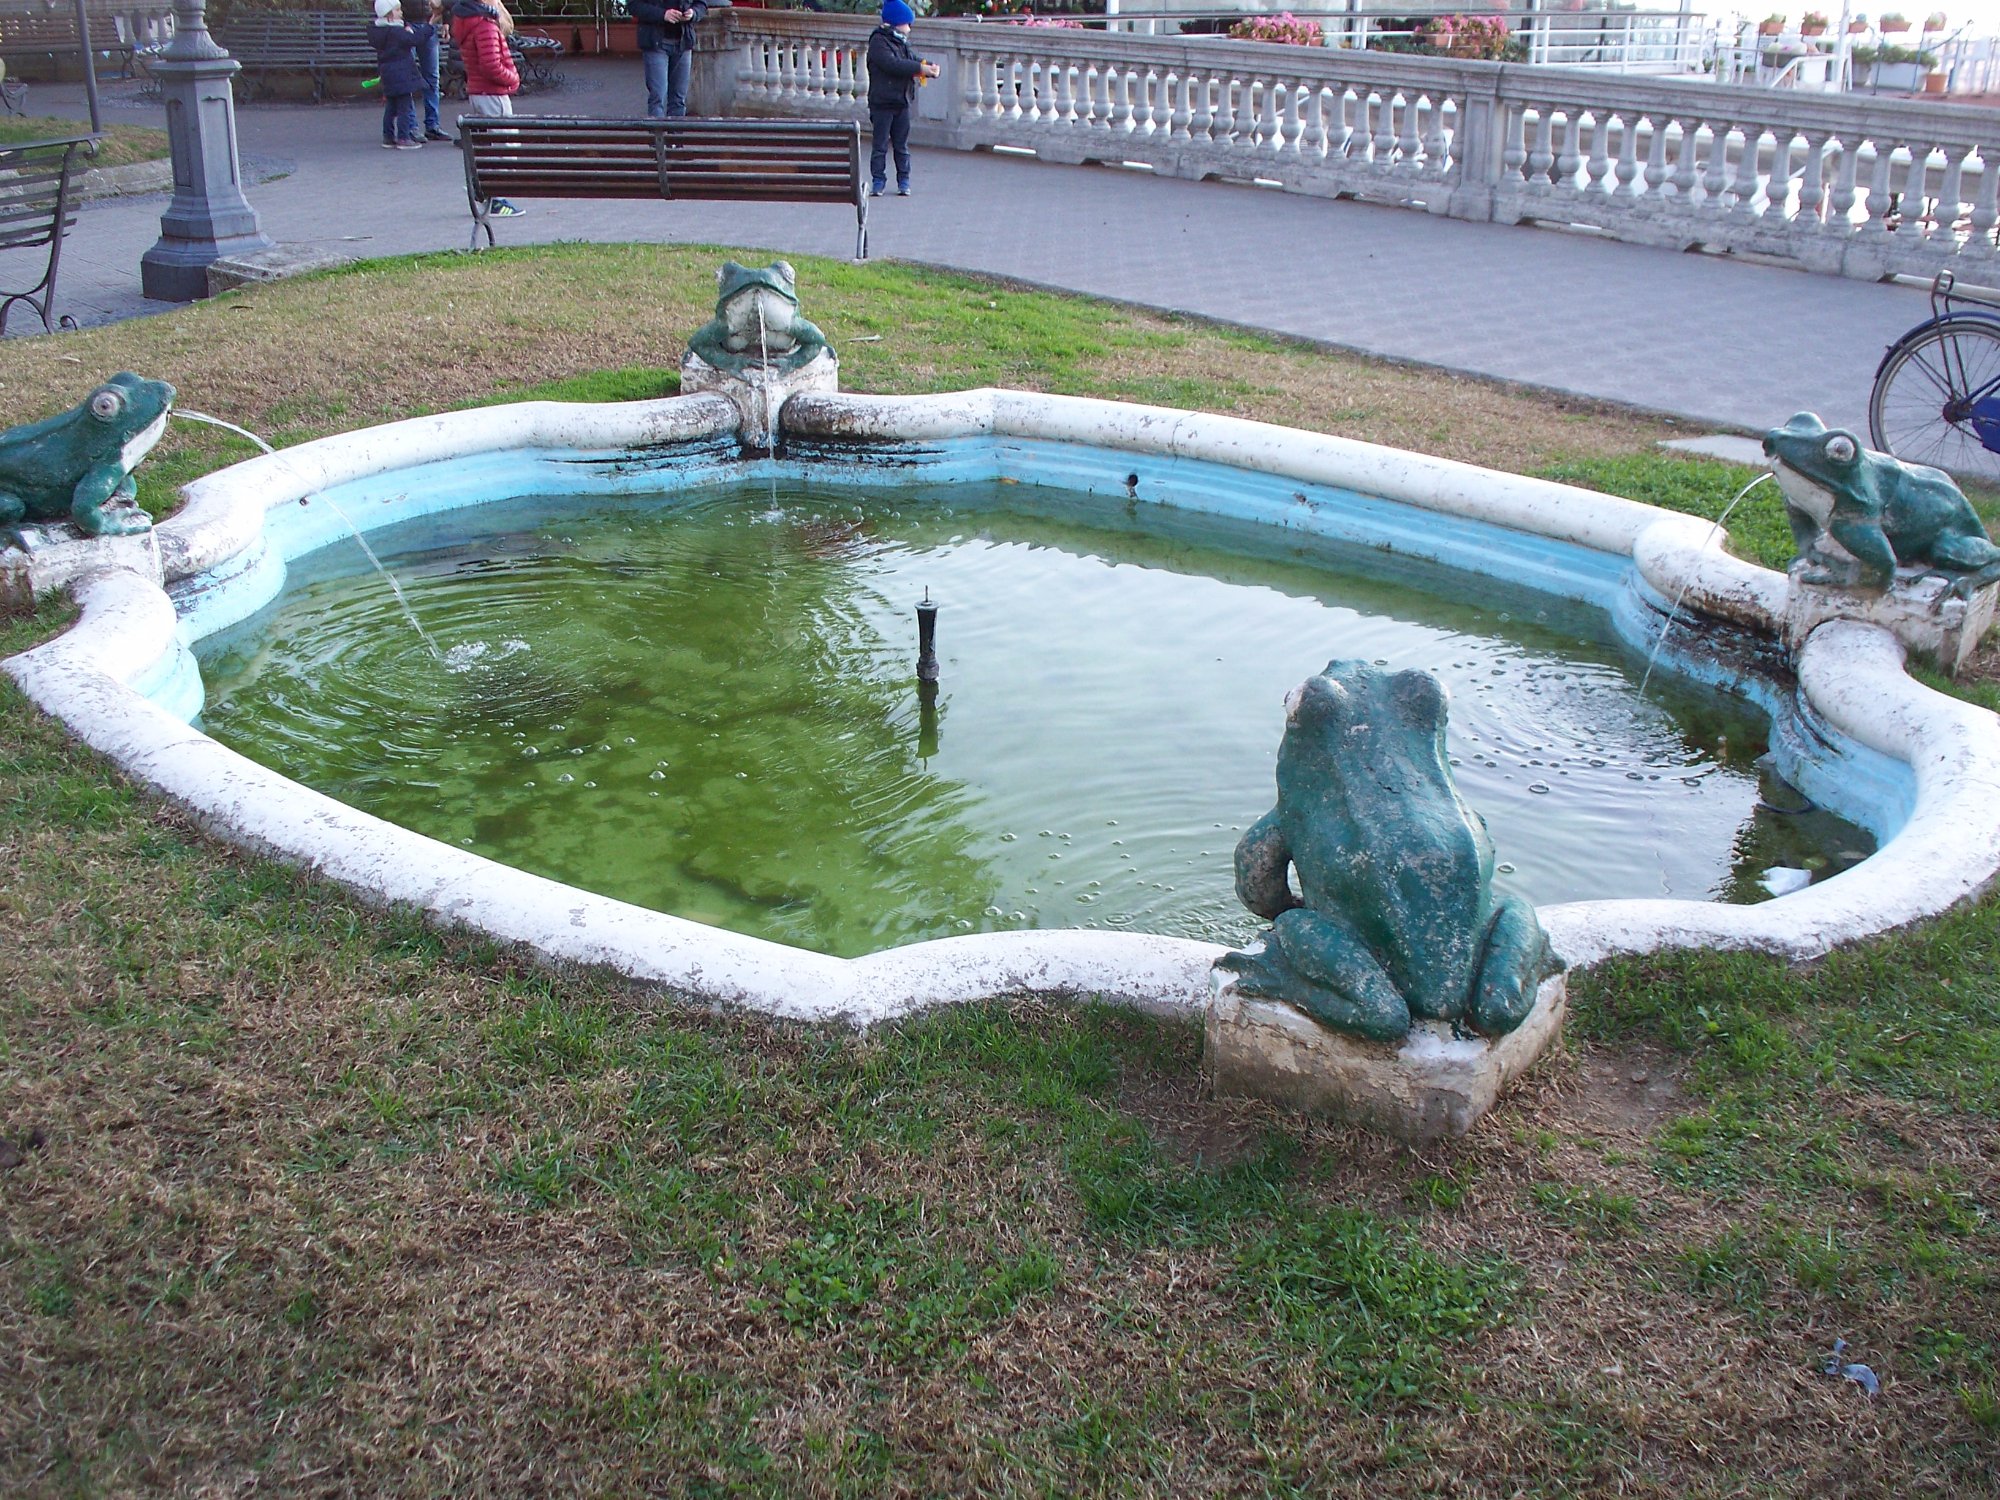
(733, 340)
(78, 466)
(1399, 920)
(1857, 515)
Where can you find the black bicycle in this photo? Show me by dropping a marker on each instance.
(1937, 391)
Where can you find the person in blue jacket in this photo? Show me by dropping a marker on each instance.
(666, 47)
(396, 58)
(893, 74)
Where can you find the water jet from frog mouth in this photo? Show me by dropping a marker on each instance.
(360, 541)
(1674, 609)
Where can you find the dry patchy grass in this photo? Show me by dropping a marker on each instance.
(316, 1201)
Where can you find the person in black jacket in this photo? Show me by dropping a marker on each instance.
(396, 57)
(893, 72)
(666, 47)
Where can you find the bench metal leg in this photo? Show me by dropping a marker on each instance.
(861, 231)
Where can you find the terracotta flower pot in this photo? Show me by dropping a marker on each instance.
(1813, 29)
(1934, 83)
(1770, 28)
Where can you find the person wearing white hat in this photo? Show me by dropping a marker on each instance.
(396, 58)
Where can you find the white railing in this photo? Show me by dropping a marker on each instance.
(1860, 187)
(1623, 41)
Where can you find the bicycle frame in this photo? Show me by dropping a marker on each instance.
(1979, 406)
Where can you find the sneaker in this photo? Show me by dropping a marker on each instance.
(436, 135)
(388, 145)
(409, 145)
(878, 190)
(903, 191)
(502, 209)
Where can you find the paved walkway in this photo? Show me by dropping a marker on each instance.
(1711, 339)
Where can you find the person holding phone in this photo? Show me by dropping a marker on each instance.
(666, 47)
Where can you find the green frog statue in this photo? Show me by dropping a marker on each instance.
(1399, 921)
(78, 467)
(1857, 515)
(757, 322)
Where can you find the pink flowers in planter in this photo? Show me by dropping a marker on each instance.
(1285, 28)
(1466, 36)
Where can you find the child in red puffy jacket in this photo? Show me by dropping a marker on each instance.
(479, 29)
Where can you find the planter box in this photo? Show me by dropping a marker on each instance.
(1907, 77)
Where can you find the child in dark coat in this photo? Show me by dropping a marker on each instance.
(894, 72)
(402, 80)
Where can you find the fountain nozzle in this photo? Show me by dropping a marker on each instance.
(927, 662)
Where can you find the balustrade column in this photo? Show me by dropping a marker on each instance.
(1407, 140)
(1812, 188)
(1571, 156)
(1541, 160)
(1985, 212)
(1716, 179)
(1841, 218)
(1880, 198)
(1201, 113)
(1514, 156)
(1382, 143)
(1436, 145)
(1597, 167)
(1627, 171)
(1949, 199)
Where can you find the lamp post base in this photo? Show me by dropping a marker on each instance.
(209, 217)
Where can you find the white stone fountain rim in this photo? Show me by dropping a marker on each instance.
(93, 678)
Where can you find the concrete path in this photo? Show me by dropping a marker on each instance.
(1707, 338)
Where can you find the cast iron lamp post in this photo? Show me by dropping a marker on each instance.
(209, 217)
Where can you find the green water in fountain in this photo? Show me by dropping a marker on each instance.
(710, 709)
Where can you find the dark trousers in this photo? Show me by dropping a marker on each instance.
(890, 126)
(399, 117)
(427, 64)
(667, 75)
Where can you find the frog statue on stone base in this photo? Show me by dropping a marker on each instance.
(1856, 515)
(78, 466)
(1399, 919)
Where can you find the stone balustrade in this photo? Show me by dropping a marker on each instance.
(1861, 187)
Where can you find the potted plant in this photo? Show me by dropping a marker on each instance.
(1814, 24)
(1857, 26)
(1934, 21)
(1934, 82)
(1891, 22)
(1771, 26)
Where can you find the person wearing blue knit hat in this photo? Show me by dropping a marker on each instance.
(893, 74)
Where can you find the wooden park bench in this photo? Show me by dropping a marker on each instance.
(37, 208)
(327, 44)
(322, 45)
(44, 35)
(739, 161)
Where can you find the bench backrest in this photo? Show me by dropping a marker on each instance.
(29, 31)
(298, 40)
(792, 161)
(34, 187)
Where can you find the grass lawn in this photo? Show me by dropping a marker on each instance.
(119, 146)
(313, 1200)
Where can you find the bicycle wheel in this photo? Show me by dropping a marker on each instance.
(1937, 398)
